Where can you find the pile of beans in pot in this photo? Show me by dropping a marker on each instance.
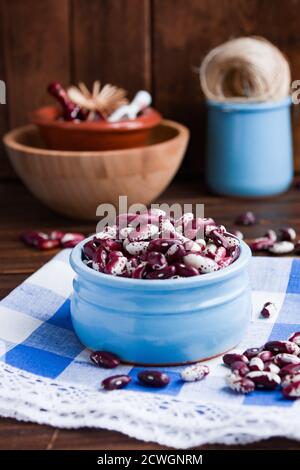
(276, 364)
(153, 246)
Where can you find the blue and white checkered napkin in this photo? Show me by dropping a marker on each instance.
(36, 333)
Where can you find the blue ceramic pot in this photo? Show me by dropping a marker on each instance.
(161, 321)
(249, 148)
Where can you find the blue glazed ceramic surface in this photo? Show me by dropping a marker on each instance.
(161, 321)
(249, 148)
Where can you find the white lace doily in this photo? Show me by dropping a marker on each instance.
(30, 398)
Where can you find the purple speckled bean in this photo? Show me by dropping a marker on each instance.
(290, 369)
(281, 248)
(137, 248)
(204, 264)
(229, 358)
(194, 372)
(153, 378)
(195, 228)
(105, 359)
(140, 272)
(251, 352)
(285, 359)
(167, 228)
(56, 235)
(219, 239)
(69, 240)
(225, 262)
(271, 234)
(282, 347)
(210, 250)
(240, 368)
(292, 390)
(232, 240)
(156, 260)
(234, 252)
(287, 234)
(240, 384)
(175, 253)
(116, 266)
(89, 249)
(194, 245)
(107, 232)
(99, 259)
(144, 232)
(264, 380)
(32, 238)
(131, 265)
(220, 254)
(269, 309)
(289, 379)
(295, 338)
(164, 273)
(265, 356)
(47, 244)
(271, 367)
(185, 271)
(161, 245)
(256, 364)
(116, 382)
(261, 244)
(112, 245)
(247, 218)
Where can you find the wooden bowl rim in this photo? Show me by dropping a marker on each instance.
(10, 141)
(150, 118)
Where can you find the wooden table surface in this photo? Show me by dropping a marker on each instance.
(20, 211)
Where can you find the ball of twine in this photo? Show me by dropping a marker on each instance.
(245, 69)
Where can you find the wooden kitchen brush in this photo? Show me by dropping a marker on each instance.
(245, 69)
(102, 100)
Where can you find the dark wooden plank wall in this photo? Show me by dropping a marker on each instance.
(36, 44)
(5, 168)
(120, 51)
(152, 44)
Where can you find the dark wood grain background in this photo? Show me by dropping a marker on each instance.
(152, 44)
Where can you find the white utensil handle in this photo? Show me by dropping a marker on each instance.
(141, 101)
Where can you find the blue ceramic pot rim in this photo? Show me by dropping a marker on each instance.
(147, 284)
(250, 107)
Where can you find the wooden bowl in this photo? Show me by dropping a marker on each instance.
(93, 135)
(75, 183)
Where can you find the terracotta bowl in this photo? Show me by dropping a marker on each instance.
(89, 135)
(75, 183)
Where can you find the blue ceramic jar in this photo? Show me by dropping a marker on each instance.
(161, 321)
(249, 148)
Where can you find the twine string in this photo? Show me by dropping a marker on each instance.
(245, 69)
